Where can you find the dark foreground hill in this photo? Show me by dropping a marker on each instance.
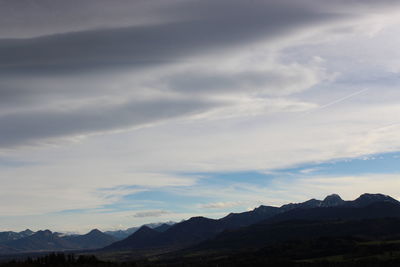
(261, 235)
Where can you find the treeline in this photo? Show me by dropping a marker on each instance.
(235, 260)
(64, 260)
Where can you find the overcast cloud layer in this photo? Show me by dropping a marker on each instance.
(102, 100)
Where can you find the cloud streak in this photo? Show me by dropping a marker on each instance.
(150, 213)
(25, 127)
(229, 26)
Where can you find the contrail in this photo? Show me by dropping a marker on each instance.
(343, 98)
(338, 100)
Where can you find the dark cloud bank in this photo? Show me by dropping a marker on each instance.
(190, 29)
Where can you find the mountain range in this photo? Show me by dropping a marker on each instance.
(199, 229)
(9, 235)
(48, 241)
(45, 240)
(259, 227)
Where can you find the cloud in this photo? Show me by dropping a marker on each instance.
(273, 80)
(20, 128)
(150, 213)
(202, 58)
(309, 170)
(220, 205)
(230, 25)
(27, 18)
(66, 85)
(30, 18)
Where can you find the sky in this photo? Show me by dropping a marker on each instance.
(118, 113)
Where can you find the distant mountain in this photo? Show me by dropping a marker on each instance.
(41, 240)
(9, 235)
(49, 241)
(26, 233)
(330, 201)
(155, 225)
(121, 234)
(333, 200)
(343, 212)
(367, 199)
(92, 240)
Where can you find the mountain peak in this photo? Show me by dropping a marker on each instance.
(332, 201)
(374, 196)
(367, 199)
(333, 196)
(46, 232)
(27, 232)
(95, 232)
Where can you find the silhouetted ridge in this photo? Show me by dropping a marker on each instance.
(121, 234)
(312, 203)
(343, 212)
(139, 239)
(236, 220)
(95, 232)
(367, 199)
(92, 240)
(199, 229)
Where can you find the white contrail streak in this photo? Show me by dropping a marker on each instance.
(343, 98)
(338, 100)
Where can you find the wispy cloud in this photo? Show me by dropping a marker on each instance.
(220, 205)
(150, 213)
